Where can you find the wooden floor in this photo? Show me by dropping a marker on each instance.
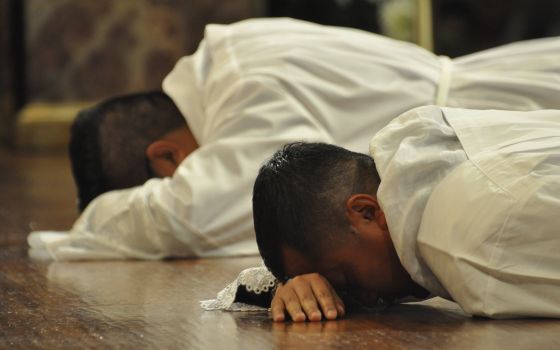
(137, 304)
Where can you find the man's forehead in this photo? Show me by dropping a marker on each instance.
(295, 262)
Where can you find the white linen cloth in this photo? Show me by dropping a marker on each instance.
(255, 280)
(257, 84)
(472, 200)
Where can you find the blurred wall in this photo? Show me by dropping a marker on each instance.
(88, 50)
(11, 73)
(465, 26)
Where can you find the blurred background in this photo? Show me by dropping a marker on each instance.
(58, 56)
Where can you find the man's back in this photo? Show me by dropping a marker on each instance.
(347, 82)
(485, 223)
(490, 229)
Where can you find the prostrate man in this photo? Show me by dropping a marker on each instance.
(109, 151)
(466, 207)
(250, 88)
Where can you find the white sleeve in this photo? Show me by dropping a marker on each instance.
(205, 208)
(412, 155)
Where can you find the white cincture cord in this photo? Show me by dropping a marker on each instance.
(444, 81)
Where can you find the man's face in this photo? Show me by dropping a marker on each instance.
(364, 267)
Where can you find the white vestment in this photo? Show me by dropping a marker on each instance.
(472, 200)
(258, 84)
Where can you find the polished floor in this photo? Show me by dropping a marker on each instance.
(137, 304)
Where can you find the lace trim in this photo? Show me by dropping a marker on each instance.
(256, 280)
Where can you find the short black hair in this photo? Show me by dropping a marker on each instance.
(299, 198)
(108, 141)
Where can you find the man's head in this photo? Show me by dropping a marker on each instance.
(315, 210)
(124, 141)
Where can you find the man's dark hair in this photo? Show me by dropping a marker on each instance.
(108, 142)
(299, 198)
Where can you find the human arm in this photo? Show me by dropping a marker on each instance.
(204, 210)
(306, 297)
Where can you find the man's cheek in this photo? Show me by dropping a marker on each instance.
(367, 298)
(356, 298)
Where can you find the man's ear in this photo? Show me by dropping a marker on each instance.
(363, 209)
(164, 157)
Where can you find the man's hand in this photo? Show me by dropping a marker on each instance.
(306, 297)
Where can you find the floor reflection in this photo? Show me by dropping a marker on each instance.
(159, 301)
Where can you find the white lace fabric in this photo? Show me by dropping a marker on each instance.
(255, 280)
